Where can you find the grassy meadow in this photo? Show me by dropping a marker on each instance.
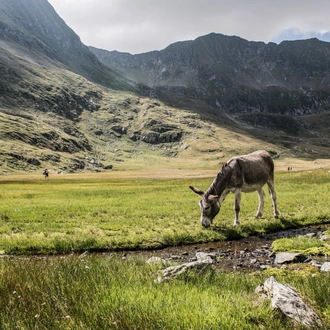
(75, 213)
(51, 284)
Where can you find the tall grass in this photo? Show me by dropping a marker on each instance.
(108, 292)
(81, 212)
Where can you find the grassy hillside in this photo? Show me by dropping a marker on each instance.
(53, 118)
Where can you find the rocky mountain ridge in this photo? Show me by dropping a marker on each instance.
(235, 75)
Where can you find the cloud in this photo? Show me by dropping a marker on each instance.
(146, 25)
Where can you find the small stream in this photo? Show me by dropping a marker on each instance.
(247, 254)
(244, 255)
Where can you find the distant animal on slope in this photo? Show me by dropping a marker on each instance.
(246, 173)
(45, 173)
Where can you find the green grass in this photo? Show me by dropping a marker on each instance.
(112, 211)
(107, 211)
(302, 244)
(61, 216)
(107, 292)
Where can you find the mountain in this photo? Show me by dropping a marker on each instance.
(62, 109)
(275, 91)
(65, 107)
(48, 79)
(235, 75)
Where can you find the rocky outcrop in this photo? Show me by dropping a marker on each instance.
(156, 138)
(155, 132)
(51, 140)
(16, 160)
(287, 300)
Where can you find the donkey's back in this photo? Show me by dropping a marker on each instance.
(254, 169)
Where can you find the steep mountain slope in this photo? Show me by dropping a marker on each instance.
(46, 77)
(34, 30)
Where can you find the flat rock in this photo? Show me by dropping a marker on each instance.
(288, 257)
(325, 267)
(324, 237)
(315, 263)
(206, 258)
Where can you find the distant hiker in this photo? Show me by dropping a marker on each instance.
(45, 173)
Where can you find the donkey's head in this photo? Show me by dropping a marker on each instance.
(209, 205)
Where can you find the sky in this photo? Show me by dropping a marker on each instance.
(139, 26)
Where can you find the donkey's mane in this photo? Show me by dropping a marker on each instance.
(219, 181)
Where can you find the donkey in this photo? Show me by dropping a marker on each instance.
(244, 173)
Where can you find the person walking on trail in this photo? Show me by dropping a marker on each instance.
(45, 173)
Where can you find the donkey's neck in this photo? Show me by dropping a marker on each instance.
(220, 183)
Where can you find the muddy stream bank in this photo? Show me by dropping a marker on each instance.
(249, 254)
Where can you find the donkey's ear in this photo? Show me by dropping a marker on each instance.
(212, 197)
(196, 190)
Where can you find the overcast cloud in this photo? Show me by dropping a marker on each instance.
(138, 26)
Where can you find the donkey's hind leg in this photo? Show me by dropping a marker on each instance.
(272, 193)
(261, 196)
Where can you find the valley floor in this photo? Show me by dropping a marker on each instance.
(280, 166)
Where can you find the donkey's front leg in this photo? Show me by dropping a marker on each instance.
(237, 206)
(261, 196)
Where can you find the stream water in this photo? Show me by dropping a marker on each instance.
(249, 254)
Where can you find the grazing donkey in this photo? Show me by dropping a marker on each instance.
(245, 173)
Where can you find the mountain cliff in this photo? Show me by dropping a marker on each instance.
(235, 75)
